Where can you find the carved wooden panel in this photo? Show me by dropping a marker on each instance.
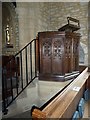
(58, 54)
(46, 48)
(57, 46)
(46, 55)
(76, 53)
(68, 55)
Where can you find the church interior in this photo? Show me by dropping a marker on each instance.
(45, 60)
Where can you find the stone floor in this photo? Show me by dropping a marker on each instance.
(37, 93)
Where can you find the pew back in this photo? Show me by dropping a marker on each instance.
(65, 104)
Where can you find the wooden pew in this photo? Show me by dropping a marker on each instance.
(65, 104)
(82, 68)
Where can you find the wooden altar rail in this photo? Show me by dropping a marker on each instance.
(65, 104)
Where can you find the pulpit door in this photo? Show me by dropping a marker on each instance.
(57, 55)
(51, 50)
(45, 55)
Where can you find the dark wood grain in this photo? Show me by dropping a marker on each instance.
(65, 104)
(58, 53)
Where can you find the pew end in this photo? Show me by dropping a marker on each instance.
(38, 114)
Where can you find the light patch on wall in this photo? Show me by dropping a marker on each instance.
(83, 54)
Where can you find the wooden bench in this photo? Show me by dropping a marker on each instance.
(65, 104)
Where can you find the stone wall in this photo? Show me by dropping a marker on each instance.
(50, 16)
(33, 18)
(9, 17)
(59, 11)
